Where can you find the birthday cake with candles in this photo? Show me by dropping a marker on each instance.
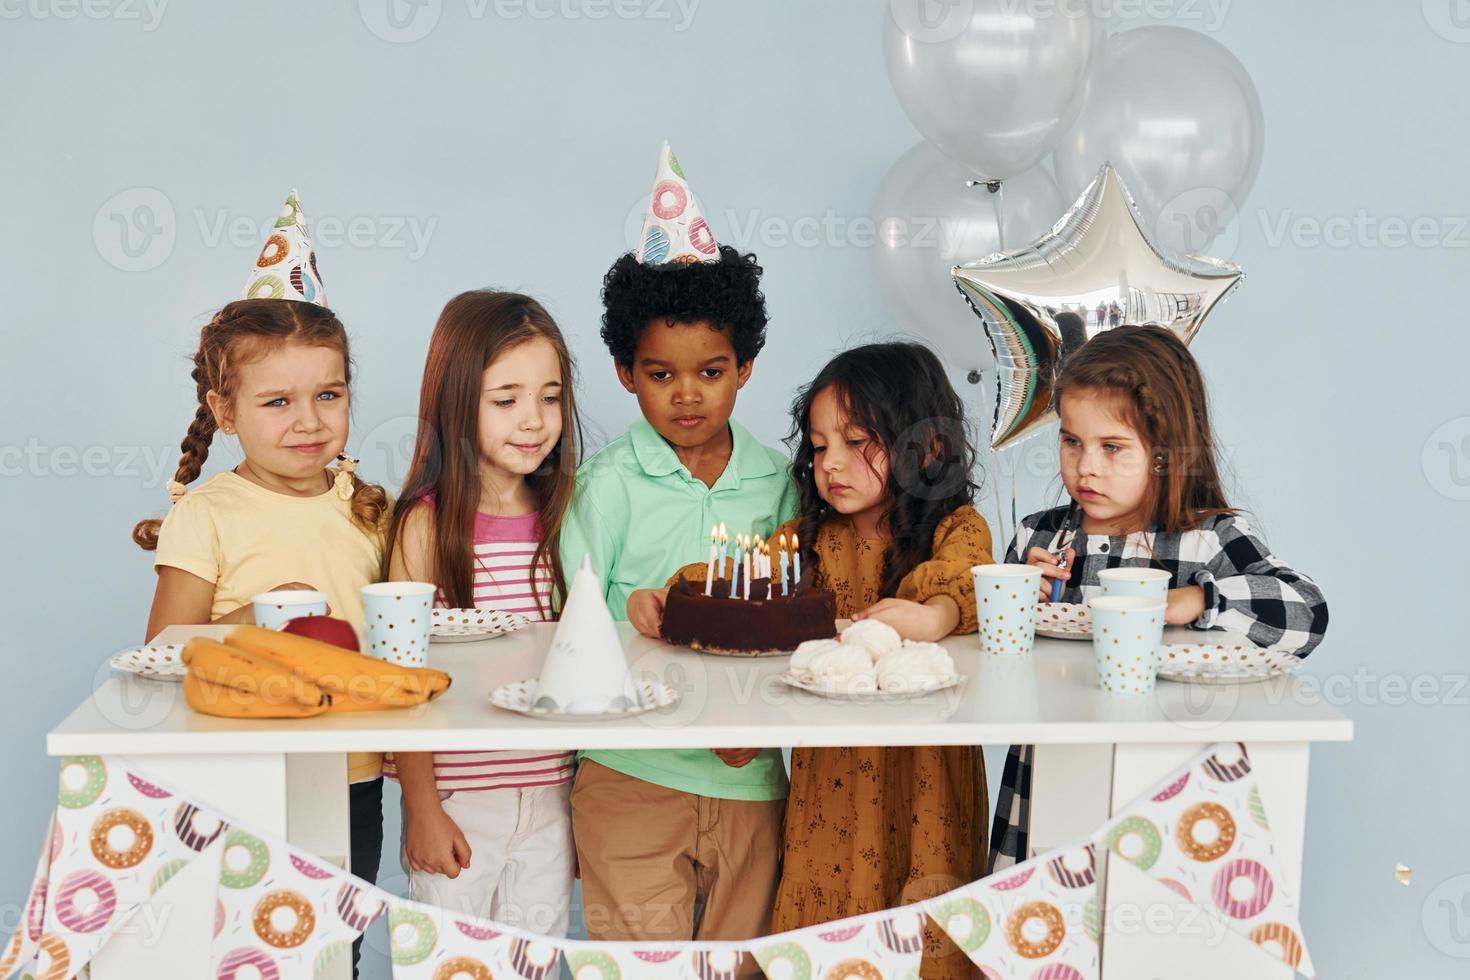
(750, 606)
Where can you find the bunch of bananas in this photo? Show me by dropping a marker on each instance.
(261, 673)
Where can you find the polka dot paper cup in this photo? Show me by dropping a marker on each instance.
(275, 609)
(1127, 632)
(1150, 583)
(398, 617)
(1005, 602)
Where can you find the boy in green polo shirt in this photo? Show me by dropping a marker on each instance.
(661, 832)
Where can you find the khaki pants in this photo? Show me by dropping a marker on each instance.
(662, 865)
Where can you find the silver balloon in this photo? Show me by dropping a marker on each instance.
(988, 83)
(929, 219)
(1095, 270)
(1179, 117)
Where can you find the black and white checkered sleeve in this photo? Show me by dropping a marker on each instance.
(1249, 590)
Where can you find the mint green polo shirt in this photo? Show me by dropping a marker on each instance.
(641, 515)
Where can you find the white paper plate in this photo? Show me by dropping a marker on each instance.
(465, 625)
(516, 696)
(1223, 663)
(1063, 621)
(843, 693)
(161, 661)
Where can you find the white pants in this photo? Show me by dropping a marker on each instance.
(521, 858)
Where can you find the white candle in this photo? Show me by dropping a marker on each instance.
(709, 575)
(781, 554)
(747, 575)
(795, 564)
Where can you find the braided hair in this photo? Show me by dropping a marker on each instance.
(237, 332)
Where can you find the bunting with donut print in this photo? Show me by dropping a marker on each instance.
(674, 229)
(653, 961)
(281, 912)
(431, 943)
(116, 842)
(23, 951)
(1203, 834)
(1037, 920)
(286, 266)
(878, 946)
(118, 836)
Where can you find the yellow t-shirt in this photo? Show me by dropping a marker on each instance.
(247, 539)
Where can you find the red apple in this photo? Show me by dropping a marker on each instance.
(338, 632)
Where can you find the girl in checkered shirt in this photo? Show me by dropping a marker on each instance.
(1138, 460)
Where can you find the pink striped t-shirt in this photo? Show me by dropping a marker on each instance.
(503, 579)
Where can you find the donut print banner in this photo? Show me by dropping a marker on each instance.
(879, 946)
(116, 843)
(281, 912)
(25, 944)
(286, 267)
(1037, 920)
(431, 943)
(1203, 834)
(653, 961)
(674, 230)
(117, 837)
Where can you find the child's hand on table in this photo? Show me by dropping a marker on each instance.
(1047, 562)
(646, 610)
(433, 841)
(1185, 605)
(929, 621)
(736, 758)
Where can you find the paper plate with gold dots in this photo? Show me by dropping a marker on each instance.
(161, 661)
(1063, 621)
(465, 625)
(1223, 663)
(518, 696)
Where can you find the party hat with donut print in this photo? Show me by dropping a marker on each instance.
(286, 268)
(674, 230)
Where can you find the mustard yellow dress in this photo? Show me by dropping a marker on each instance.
(873, 828)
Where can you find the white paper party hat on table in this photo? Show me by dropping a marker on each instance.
(586, 672)
(674, 230)
(286, 268)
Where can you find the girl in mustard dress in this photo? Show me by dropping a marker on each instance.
(883, 463)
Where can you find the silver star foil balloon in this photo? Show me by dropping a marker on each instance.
(1095, 270)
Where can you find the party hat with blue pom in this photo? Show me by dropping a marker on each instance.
(286, 268)
(674, 230)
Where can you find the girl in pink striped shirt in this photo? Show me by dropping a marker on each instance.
(489, 833)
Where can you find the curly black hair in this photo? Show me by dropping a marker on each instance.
(899, 395)
(726, 294)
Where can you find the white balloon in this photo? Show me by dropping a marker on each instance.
(1179, 118)
(987, 82)
(929, 220)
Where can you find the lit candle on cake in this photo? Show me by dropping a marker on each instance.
(709, 575)
(747, 574)
(781, 556)
(724, 550)
(795, 562)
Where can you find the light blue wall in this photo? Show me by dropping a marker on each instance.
(522, 145)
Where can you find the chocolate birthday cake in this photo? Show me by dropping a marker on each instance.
(722, 623)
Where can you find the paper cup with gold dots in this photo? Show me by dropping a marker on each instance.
(1126, 634)
(398, 616)
(1005, 603)
(1151, 583)
(275, 609)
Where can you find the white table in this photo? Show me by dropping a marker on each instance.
(1095, 753)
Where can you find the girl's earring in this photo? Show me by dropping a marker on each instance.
(1158, 467)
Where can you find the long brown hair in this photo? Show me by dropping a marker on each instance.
(899, 395)
(474, 329)
(1160, 392)
(240, 332)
